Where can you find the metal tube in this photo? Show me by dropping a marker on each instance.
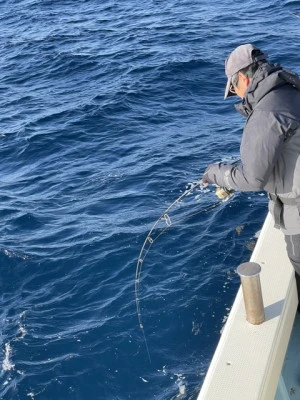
(249, 274)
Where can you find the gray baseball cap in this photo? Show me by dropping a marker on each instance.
(240, 58)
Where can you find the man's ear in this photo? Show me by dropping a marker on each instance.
(244, 78)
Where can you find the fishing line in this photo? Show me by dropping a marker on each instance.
(152, 237)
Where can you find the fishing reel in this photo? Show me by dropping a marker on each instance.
(223, 192)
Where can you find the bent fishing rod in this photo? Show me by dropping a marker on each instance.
(223, 194)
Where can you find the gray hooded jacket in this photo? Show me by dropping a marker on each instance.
(270, 146)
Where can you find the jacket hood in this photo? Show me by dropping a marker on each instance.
(267, 78)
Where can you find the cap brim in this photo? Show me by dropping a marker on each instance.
(228, 93)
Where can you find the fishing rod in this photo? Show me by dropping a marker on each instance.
(223, 194)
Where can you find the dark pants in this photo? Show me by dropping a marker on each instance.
(293, 250)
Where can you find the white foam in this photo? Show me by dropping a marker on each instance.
(180, 383)
(257, 234)
(6, 364)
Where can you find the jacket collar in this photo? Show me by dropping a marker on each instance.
(266, 79)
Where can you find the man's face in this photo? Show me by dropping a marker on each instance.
(242, 85)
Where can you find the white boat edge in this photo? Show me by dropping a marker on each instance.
(248, 360)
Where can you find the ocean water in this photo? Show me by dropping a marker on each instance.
(109, 111)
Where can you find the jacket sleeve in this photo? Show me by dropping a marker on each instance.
(261, 145)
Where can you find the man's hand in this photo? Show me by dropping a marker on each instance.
(209, 174)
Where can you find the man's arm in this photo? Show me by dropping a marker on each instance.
(261, 146)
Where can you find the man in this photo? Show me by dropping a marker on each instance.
(270, 146)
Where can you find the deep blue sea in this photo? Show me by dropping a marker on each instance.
(109, 111)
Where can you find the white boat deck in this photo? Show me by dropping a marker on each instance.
(289, 383)
(248, 360)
